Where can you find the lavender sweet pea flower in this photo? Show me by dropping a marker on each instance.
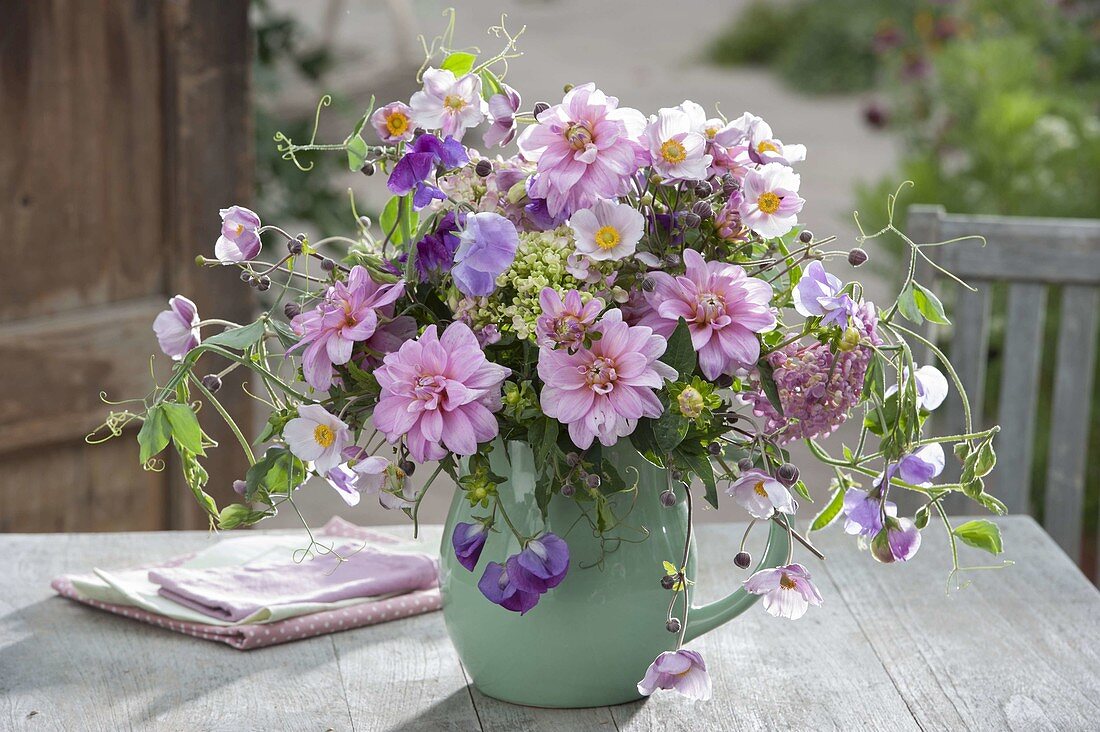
(497, 585)
(468, 540)
(542, 564)
(502, 111)
(177, 328)
(487, 247)
(898, 541)
(931, 387)
(240, 240)
(413, 169)
(681, 671)
(863, 512)
(918, 468)
(818, 294)
(361, 473)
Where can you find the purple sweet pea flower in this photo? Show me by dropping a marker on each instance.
(542, 564)
(502, 111)
(863, 512)
(498, 587)
(435, 253)
(681, 671)
(240, 240)
(177, 328)
(487, 247)
(918, 468)
(468, 540)
(898, 541)
(818, 294)
(412, 171)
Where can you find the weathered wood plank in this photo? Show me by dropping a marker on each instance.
(772, 674)
(1018, 649)
(1069, 429)
(498, 715)
(1022, 357)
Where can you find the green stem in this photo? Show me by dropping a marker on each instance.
(225, 415)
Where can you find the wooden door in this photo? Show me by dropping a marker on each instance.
(125, 125)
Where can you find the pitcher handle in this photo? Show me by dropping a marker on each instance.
(705, 618)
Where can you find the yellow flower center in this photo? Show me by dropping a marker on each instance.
(786, 582)
(768, 202)
(766, 146)
(324, 435)
(578, 136)
(607, 237)
(397, 123)
(711, 132)
(673, 151)
(454, 102)
(760, 491)
(240, 229)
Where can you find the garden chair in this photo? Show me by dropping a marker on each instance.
(1046, 265)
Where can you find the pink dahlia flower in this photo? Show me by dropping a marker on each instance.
(724, 309)
(448, 104)
(769, 200)
(603, 391)
(676, 150)
(564, 321)
(393, 122)
(586, 148)
(347, 315)
(788, 591)
(439, 391)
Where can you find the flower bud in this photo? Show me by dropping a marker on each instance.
(857, 257)
(240, 487)
(742, 560)
(327, 264)
(367, 169)
(648, 284)
(880, 547)
(567, 88)
(690, 402)
(364, 221)
(294, 246)
(673, 625)
(806, 236)
(592, 481)
(483, 168)
(246, 276)
(724, 381)
(568, 489)
(692, 220)
(744, 464)
(703, 210)
(541, 107)
(703, 189)
(849, 340)
(787, 474)
(263, 283)
(714, 449)
(408, 466)
(292, 310)
(572, 459)
(668, 498)
(212, 382)
(667, 582)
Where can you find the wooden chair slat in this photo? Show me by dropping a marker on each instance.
(1065, 484)
(1022, 357)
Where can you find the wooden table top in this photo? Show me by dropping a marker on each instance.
(1018, 649)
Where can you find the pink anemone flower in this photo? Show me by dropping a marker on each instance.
(788, 591)
(724, 309)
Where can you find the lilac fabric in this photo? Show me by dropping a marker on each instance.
(234, 593)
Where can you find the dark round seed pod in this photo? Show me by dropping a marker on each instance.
(667, 582)
(263, 284)
(787, 474)
(673, 625)
(291, 310)
(240, 487)
(668, 498)
(724, 381)
(483, 168)
(294, 246)
(246, 276)
(367, 169)
(541, 107)
(742, 560)
(648, 284)
(703, 210)
(692, 220)
(568, 489)
(572, 459)
(714, 448)
(408, 467)
(806, 236)
(212, 382)
(327, 264)
(857, 257)
(703, 189)
(592, 481)
(744, 464)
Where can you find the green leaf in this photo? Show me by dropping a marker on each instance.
(459, 63)
(928, 304)
(669, 430)
(356, 148)
(700, 465)
(874, 382)
(277, 472)
(881, 421)
(830, 512)
(767, 382)
(389, 222)
(981, 534)
(185, 426)
(646, 443)
(992, 504)
(238, 338)
(287, 337)
(801, 489)
(196, 476)
(154, 434)
(490, 84)
(907, 304)
(679, 352)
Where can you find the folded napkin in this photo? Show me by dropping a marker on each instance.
(327, 601)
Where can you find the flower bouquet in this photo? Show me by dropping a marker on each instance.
(591, 337)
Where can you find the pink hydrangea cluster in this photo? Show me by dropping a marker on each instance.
(817, 394)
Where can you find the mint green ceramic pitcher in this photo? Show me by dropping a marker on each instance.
(589, 640)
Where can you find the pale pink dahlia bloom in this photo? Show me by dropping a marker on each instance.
(586, 148)
(448, 104)
(788, 591)
(607, 230)
(439, 393)
(769, 200)
(676, 150)
(565, 320)
(603, 391)
(724, 309)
